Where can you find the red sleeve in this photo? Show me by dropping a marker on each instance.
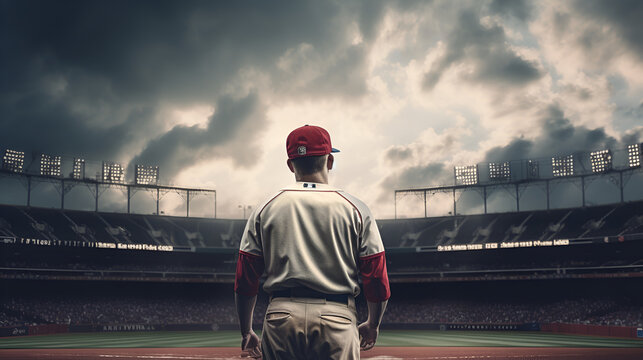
(375, 278)
(249, 269)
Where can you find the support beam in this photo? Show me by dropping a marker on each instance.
(215, 204)
(517, 197)
(188, 204)
(96, 205)
(484, 197)
(28, 191)
(129, 197)
(582, 189)
(395, 204)
(547, 182)
(62, 194)
(158, 199)
(622, 186)
(425, 214)
(454, 207)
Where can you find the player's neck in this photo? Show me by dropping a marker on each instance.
(319, 177)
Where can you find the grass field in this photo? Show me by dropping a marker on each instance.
(390, 338)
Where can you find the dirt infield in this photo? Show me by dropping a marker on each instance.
(389, 353)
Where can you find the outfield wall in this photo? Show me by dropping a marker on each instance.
(581, 329)
(596, 330)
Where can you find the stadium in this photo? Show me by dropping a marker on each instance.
(550, 278)
(497, 144)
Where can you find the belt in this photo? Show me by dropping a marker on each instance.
(303, 292)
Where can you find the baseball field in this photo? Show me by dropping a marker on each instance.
(391, 345)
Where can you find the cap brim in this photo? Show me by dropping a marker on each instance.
(333, 150)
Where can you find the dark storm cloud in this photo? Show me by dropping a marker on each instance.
(164, 48)
(579, 92)
(633, 136)
(559, 137)
(415, 176)
(92, 77)
(624, 16)
(37, 122)
(420, 173)
(520, 9)
(397, 154)
(184, 146)
(486, 48)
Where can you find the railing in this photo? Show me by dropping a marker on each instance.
(396, 276)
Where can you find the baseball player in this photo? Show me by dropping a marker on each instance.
(312, 241)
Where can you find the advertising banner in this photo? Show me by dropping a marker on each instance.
(461, 327)
(142, 327)
(13, 331)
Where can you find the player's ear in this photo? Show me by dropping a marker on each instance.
(289, 163)
(330, 161)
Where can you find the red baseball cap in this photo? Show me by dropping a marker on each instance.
(308, 140)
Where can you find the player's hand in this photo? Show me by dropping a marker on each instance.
(367, 335)
(251, 345)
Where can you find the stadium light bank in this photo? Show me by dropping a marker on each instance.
(110, 174)
(516, 175)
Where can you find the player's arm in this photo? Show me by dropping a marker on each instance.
(250, 267)
(250, 342)
(375, 313)
(372, 269)
(245, 310)
(246, 286)
(377, 292)
(370, 329)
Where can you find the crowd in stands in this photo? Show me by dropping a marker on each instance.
(176, 308)
(579, 311)
(100, 311)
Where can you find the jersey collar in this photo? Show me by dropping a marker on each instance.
(311, 186)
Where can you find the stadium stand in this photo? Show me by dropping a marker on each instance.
(577, 223)
(597, 302)
(70, 225)
(83, 268)
(606, 239)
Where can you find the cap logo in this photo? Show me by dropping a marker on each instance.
(301, 150)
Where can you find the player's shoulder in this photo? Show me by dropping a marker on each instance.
(262, 206)
(355, 202)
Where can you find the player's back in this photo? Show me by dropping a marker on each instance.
(310, 237)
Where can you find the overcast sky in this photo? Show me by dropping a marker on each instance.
(209, 90)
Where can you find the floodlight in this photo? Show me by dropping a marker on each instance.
(601, 161)
(562, 165)
(466, 175)
(533, 169)
(634, 155)
(49, 165)
(499, 171)
(147, 175)
(13, 160)
(113, 172)
(78, 171)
